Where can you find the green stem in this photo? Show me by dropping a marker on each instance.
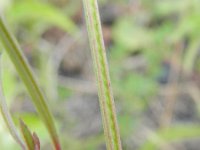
(7, 116)
(107, 106)
(12, 48)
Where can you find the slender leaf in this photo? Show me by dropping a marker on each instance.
(36, 141)
(27, 136)
(12, 48)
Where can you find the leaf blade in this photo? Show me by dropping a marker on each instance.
(13, 50)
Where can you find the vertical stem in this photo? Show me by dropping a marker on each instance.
(13, 50)
(106, 100)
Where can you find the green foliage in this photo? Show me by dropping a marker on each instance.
(37, 11)
(152, 33)
(141, 36)
(7, 116)
(24, 71)
(34, 123)
(31, 140)
(126, 124)
(173, 134)
(11, 85)
(125, 31)
(6, 140)
(149, 32)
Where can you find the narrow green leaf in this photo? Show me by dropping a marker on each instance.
(13, 50)
(32, 141)
(30, 145)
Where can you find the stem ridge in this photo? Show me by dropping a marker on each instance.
(107, 106)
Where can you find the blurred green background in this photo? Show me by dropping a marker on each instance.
(153, 48)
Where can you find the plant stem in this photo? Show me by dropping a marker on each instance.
(12, 48)
(106, 100)
(7, 116)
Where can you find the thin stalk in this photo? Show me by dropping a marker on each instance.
(12, 48)
(106, 100)
(7, 116)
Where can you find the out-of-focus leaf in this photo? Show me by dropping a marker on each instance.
(3, 4)
(176, 133)
(190, 56)
(34, 123)
(166, 7)
(48, 75)
(6, 140)
(138, 85)
(27, 136)
(7, 116)
(40, 12)
(135, 89)
(11, 85)
(131, 36)
(126, 124)
(188, 26)
(89, 143)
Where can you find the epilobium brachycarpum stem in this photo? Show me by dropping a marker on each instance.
(111, 130)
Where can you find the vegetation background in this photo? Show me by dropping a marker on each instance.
(153, 51)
